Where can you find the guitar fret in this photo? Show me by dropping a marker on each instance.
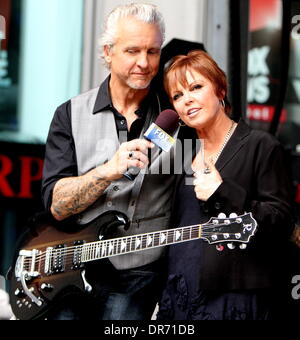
(98, 251)
(156, 240)
(92, 252)
(133, 243)
(89, 252)
(83, 253)
(150, 240)
(172, 237)
(179, 235)
(129, 244)
(114, 247)
(195, 232)
(137, 243)
(104, 248)
(117, 247)
(125, 245)
(162, 238)
(144, 242)
(111, 248)
(168, 237)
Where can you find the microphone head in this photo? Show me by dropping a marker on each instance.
(168, 121)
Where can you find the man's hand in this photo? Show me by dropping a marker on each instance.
(130, 154)
(75, 194)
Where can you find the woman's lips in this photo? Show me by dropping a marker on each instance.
(193, 112)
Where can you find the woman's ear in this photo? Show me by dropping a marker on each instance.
(223, 95)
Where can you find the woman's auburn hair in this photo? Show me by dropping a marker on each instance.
(201, 62)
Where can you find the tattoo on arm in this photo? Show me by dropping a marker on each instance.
(73, 195)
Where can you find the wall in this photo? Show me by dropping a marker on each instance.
(175, 12)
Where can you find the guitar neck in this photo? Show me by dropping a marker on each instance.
(125, 245)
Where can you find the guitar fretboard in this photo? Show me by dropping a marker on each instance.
(118, 246)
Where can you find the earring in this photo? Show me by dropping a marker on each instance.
(223, 102)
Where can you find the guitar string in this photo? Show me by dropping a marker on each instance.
(116, 243)
(97, 254)
(186, 230)
(69, 258)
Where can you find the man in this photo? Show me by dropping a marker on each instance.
(93, 140)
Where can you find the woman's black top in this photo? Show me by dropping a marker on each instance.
(255, 179)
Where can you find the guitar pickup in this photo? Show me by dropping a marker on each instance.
(55, 259)
(77, 254)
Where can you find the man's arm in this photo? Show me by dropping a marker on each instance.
(73, 195)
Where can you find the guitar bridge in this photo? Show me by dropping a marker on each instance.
(27, 262)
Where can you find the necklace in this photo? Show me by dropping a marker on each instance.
(215, 158)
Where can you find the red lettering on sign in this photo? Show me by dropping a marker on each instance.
(6, 169)
(27, 165)
(264, 113)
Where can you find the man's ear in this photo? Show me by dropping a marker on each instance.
(107, 53)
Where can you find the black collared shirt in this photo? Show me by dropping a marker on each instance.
(60, 156)
(104, 102)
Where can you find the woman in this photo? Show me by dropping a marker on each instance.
(236, 170)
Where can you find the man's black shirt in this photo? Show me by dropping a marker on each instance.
(63, 155)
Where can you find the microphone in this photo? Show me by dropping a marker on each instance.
(159, 133)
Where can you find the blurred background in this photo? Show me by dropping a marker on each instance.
(49, 53)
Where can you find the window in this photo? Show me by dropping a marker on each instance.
(40, 64)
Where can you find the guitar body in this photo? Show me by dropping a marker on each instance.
(51, 258)
(51, 276)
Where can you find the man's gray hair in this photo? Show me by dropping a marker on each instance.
(147, 13)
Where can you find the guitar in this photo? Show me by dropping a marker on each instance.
(52, 256)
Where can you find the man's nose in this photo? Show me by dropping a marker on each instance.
(142, 61)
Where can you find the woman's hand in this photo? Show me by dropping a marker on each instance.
(207, 182)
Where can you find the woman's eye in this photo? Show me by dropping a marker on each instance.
(197, 87)
(176, 96)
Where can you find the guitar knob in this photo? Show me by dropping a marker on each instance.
(222, 215)
(231, 246)
(220, 247)
(46, 287)
(243, 246)
(19, 292)
(233, 215)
